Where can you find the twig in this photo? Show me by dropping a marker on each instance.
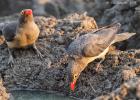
(91, 86)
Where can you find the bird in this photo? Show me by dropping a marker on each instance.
(21, 33)
(91, 46)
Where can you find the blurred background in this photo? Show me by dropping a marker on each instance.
(104, 11)
(127, 12)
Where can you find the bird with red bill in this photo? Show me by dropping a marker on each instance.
(21, 33)
(91, 46)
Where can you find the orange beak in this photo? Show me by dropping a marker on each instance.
(72, 85)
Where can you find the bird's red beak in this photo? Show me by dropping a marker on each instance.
(27, 12)
(72, 85)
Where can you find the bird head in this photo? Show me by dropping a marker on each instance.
(74, 70)
(26, 15)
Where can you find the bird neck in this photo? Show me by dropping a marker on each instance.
(25, 19)
(83, 63)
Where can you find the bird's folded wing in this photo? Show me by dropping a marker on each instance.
(91, 50)
(98, 44)
(9, 31)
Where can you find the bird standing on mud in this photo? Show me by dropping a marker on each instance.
(21, 33)
(89, 47)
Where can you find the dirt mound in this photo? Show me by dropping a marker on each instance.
(49, 73)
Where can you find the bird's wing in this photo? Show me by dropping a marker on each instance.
(97, 44)
(9, 31)
(94, 43)
(74, 49)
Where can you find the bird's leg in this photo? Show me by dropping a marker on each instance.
(37, 51)
(77, 36)
(11, 59)
(91, 86)
(99, 64)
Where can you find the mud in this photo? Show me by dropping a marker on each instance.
(50, 74)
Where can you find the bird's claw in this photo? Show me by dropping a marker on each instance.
(11, 61)
(39, 55)
(37, 51)
(98, 67)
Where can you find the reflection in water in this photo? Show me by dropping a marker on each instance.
(37, 95)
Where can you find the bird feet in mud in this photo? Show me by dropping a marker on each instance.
(11, 61)
(98, 66)
(37, 52)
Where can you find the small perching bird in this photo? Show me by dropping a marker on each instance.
(21, 33)
(91, 46)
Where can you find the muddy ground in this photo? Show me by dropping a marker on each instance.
(119, 72)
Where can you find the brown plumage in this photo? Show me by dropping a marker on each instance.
(89, 47)
(21, 33)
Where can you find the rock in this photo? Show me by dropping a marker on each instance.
(126, 91)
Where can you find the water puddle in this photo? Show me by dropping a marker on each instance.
(37, 95)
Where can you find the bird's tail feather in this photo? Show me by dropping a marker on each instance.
(123, 36)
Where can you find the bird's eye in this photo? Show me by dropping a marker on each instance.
(22, 13)
(75, 76)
